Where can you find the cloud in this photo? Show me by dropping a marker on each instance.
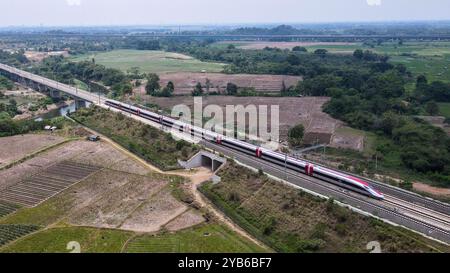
(73, 2)
(374, 2)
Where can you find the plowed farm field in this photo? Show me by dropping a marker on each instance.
(185, 82)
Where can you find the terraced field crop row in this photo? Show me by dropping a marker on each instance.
(38, 188)
(10, 233)
(7, 208)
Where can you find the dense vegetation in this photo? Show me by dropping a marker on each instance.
(5, 83)
(15, 58)
(95, 76)
(10, 127)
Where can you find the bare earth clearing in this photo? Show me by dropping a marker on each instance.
(17, 147)
(319, 126)
(36, 56)
(185, 82)
(431, 190)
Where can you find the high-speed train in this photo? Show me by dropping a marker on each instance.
(341, 179)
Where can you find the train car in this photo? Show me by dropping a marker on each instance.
(331, 176)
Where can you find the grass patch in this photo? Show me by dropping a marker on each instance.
(55, 240)
(150, 61)
(202, 239)
(444, 109)
(289, 220)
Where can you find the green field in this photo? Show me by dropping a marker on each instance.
(213, 238)
(444, 109)
(55, 240)
(150, 61)
(429, 58)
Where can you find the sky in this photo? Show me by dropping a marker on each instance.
(214, 12)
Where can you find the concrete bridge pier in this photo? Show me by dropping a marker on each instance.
(79, 103)
(55, 94)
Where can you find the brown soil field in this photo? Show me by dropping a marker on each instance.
(185, 220)
(42, 161)
(293, 110)
(185, 82)
(36, 56)
(40, 187)
(16, 147)
(113, 209)
(282, 45)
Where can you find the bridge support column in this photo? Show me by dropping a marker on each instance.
(55, 94)
(79, 104)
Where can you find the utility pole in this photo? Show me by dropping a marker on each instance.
(376, 162)
(285, 166)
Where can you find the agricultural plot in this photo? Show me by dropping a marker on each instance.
(124, 195)
(73, 151)
(17, 147)
(139, 204)
(7, 208)
(151, 61)
(319, 126)
(10, 233)
(46, 184)
(185, 82)
(283, 45)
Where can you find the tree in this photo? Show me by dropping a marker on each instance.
(198, 90)
(231, 47)
(432, 108)
(293, 59)
(152, 84)
(296, 135)
(232, 89)
(168, 90)
(283, 87)
(208, 85)
(421, 79)
(321, 52)
(299, 49)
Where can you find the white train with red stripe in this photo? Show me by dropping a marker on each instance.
(338, 178)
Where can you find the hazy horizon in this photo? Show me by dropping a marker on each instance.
(49, 13)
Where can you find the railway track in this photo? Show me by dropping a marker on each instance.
(399, 193)
(417, 220)
(440, 219)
